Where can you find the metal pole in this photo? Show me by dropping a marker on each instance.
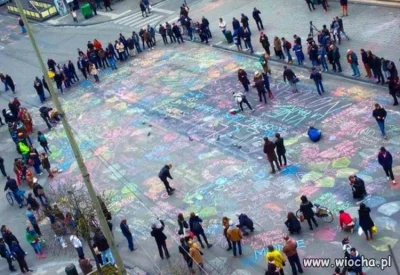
(74, 146)
(394, 260)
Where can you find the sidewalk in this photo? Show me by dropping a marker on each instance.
(385, 3)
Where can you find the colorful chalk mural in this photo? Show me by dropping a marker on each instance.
(172, 105)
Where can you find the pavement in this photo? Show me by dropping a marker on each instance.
(175, 92)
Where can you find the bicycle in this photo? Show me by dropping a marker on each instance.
(11, 199)
(321, 212)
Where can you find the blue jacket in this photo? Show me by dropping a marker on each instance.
(195, 225)
(235, 24)
(385, 161)
(314, 134)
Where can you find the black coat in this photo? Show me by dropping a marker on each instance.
(101, 242)
(366, 222)
(280, 146)
(158, 233)
(306, 209)
(164, 173)
(125, 229)
(293, 224)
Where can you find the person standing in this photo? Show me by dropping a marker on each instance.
(2, 169)
(259, 85)
(127, 233)
(377, 69)
(289, 75)
(19, 255)
(343, 4)
(206, 25)
(380, 114)
(287, 46)
(43, 142)
(242, 76)
(225, 226)
(352, 59)
(107, 5)
(81, 64)
(6, 254)
(32, 219)
(170, 33)
(102, 244)
(184, 249)
(222, 25)
(269, 150)
(310, 4)
(317, 77)
(336, 57)
(365, 60)
(37, 84)
(356, 258)
(197, 229)
(290, 250)
(38, 192)
(22, 25)
(280, 149)
(160, 238)
(298, 51)
(177, 33)
(385, 159)
(164, 174)
(77, 243)
(182, 224)
(278, 258)
(306, 208)
(247, 40)
(265, 78)
(365, 221)
(265, 43)
(33, 238)
(235, 236)
(10, 83)
(278, 48)
(257, 18)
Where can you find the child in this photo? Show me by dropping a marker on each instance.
(43, 142)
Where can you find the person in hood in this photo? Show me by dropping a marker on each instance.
(197, 229)
(235, 236)
(358, 187)
(306, 208)
(245, 224)
(385, 159)
(346, 222)
(164, 174)
(269, 150)
(365, 221)
(160, 238)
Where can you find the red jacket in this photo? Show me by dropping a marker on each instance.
(345, 218)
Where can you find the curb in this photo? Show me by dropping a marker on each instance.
(94, 23)
(382, 3)
(277, 61)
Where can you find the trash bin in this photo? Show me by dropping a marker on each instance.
(86, 11)
(228, 36)
(71, 270)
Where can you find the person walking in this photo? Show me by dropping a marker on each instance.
(33, 238)
(43, 142)
(37, 84)
(265, 43)
(22, 25)
(269, 150)
(289, 75)
(225, 226)
(343, 4)
(206, 25)
(385, 159)
(352, 59)
(259, 85)
(127, 233)
(380, 114)
(77, 243)
(290, 250)
(365, 221)
(265, 78)
(6, 254)
(164, 174)
(197, 229)
(310, 4)
(107, 5)
(257, 18)
(280, 150)
(346, 222)
(317, 77)
(278, 258)
(101, 242)
(306, 208)
(184, 249)
(32, 219)
(163, 31)
(19, 255)
(38, 192)
(247, 40)
(160, 238)
(235, 236)
(2, 169)
(10, 83)
(278, 48)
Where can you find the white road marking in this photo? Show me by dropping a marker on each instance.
(162, 11)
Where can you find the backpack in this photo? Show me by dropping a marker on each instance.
(288, 45)
(196, 226)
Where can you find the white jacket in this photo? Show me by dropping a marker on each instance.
(75, 241)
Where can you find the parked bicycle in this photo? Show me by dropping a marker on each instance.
(321, 212)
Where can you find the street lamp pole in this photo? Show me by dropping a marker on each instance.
(74, 146)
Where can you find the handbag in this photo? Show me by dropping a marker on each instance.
(374, 229)
(296, 80)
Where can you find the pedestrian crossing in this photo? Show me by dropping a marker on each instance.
(137, 20)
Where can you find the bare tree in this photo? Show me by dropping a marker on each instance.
(75, 199)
